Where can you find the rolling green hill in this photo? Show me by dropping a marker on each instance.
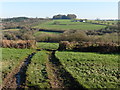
(68, 25)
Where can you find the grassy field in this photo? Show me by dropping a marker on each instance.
(11, 58)
(91, 70)
(6, 30)
(104, 22)
(36, 73)
(68, 25)
(43, 45)
(42, 32)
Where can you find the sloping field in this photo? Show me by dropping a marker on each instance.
(42, 32)
(36, 73)
(59, 69)
(68, 25)
(91, 70)
(43, 45)
(6, 30)
(11, 58)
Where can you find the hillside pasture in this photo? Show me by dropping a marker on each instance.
(92, 70)
(68, 25)
(10, 30)
(36, 73)
(44, 45)
(111, 23)
(11, 58)
(44, 32)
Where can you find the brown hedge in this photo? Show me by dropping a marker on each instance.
(18, 43)
(89, 46)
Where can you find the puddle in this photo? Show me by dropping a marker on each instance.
(21, 75)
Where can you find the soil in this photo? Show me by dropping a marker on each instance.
(59, 77)
(16, 78)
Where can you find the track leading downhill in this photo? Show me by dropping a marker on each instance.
(59, 77)
(17, 77)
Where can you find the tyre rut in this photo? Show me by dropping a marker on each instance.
(59, 77)
(16, 79)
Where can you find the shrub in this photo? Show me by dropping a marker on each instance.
(18, 44)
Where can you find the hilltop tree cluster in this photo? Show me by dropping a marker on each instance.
(69, 16)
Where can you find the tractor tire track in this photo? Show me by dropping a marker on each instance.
(17, 77)
(59, 77)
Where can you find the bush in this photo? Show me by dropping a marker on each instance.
(89, 46)
(56, 22)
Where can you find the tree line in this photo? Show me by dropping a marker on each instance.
(68, 16)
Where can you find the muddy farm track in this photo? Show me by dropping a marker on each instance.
(16, 78)
(58, 76)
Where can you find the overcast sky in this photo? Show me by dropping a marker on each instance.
(89, 10)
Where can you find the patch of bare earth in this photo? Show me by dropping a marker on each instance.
(52, 71)
(10, 80)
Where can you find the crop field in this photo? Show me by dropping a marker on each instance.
(92, 70)
(36, 73)
(11, 58)
(43, 45)
(75, 48)
(68, 25)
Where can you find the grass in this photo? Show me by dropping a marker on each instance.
(6, 30)
(11, 58)
(43, 45)
(42, 32)
(92, 70)
(68, 25)
(36, 73)
(104, 22)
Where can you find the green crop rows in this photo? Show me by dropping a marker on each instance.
(36, 73)
(91, 70)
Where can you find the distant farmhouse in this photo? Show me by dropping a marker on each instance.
(78, 21)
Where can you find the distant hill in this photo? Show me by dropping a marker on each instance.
(15, 19)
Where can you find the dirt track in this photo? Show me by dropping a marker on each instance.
(59, 77)
(14, 78)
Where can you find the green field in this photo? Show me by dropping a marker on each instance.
(6, 30)
(68, 25)
(36, 73)
(104, 22)
(11, 58)
(41, 32)
(91, 70)
(43, 45)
